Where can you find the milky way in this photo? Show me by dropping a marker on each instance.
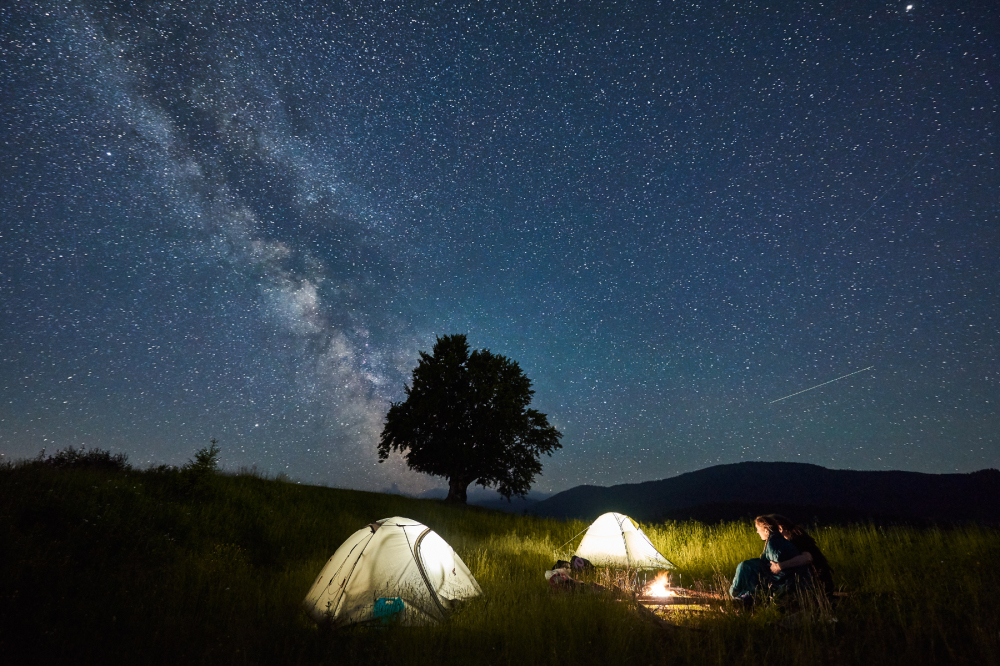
(243, 221)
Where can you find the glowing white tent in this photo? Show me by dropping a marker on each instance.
(394, 558)
(614, 540)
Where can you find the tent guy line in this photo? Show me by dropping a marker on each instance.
(823, 384)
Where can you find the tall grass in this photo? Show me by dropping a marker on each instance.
(125, 566)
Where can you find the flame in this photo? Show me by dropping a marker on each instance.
(659, 587)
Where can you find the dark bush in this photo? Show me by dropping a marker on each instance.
(70, 458)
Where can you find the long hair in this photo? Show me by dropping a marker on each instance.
(781, 521)
(769, 522)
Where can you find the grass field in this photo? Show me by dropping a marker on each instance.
(158, 566)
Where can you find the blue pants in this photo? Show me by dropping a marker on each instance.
(751, 575)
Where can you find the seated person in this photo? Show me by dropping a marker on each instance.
(809, 555)
(753, 576)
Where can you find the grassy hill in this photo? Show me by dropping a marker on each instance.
(160, 566)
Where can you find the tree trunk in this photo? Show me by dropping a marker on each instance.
(457, 491)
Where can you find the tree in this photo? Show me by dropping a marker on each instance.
(466, 418)
(205, 461)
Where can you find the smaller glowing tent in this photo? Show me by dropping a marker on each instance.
(614, 540)
(391, 559)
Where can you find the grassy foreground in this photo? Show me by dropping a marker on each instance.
(162, 567)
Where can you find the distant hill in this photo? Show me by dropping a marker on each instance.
(804, 492)
(490, 499)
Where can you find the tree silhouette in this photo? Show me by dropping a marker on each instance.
(466, 418)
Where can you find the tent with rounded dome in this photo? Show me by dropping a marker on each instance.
(393, 567)
(615, 540)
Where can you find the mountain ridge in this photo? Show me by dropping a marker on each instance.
(731, 491)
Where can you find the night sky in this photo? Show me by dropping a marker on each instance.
(243, 220)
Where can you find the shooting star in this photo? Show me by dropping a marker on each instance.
(874, 203)
(823, 384)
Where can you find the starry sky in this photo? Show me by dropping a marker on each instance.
(243, 220)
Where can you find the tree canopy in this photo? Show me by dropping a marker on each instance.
(466, 418)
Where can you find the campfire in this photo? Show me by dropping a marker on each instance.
(660, 587)
(663, 594)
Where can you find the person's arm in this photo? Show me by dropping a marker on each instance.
(797, 561)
